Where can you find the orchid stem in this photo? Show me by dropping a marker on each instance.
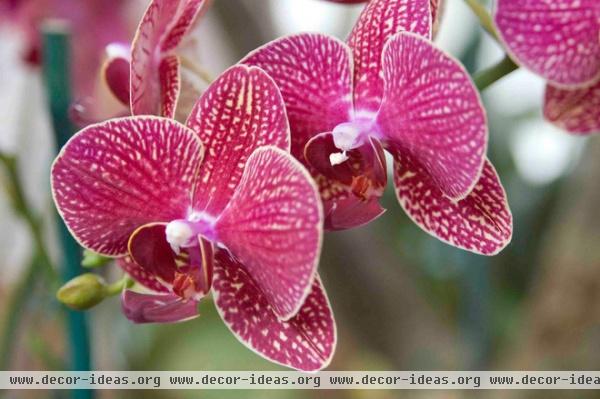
(118, 286)
(487, 77)
(485, 19)
(23, 209)
(196, 69)
(16, 303)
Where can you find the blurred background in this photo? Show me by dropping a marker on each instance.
(402, 300)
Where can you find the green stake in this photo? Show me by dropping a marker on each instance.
(57, 74)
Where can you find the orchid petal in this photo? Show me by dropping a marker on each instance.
(432, 111)
(351, 212)
(241, 111)
(113, 177)
(189, 11)
(576, 110)
(161, 29)
(314, 74)
(116, 74)
(140, 275)
(379, 21)
(305, 342)
(149, 248)
(480, 223)
(169, 77)
(157, 308)
(273, 225)
(558, 39)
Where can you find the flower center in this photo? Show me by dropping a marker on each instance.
(183, 233)
(350, 135)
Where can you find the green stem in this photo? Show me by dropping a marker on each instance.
(487, 77)
(485, 19)
(21, 206)
(118, 286)
(16, 303)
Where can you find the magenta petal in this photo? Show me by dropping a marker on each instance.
(140, 275)
(116, 73)
(149, 248)
(558, 39)
(161, 29)
(240, 111)
(113, 177)
(314, 74)
(305, 342)
(351, 212)
(432, 111)
(168, 72)
(577, 110)
(189, 11)
(273, 225)
(379, 21)
(153, 308)
(480, 223)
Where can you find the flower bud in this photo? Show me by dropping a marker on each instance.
(82, 292)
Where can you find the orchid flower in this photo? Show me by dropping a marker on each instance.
(147, 77)
(437, 8)
(391, 88)
(217, 205)
(560, 41)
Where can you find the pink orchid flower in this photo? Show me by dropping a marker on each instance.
(147, 76)
(560, 41)
(217, 205)
(391, 88)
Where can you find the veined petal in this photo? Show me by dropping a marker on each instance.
(161, 29)
(432, 111)
(240, 111)
(115, 176)
(557, 39)
(480, 223)
(314, 74)
(148, 247)
(169, 77)
(379, 21)
(273, 225)
(116, 74)
(157, 308)
(305, 342)
(189, 11)
(140, 275)
(575, 110)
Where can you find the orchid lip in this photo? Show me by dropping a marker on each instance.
(182, 233)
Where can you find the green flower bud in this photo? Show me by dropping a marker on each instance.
(82, 292)
(91, 259)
